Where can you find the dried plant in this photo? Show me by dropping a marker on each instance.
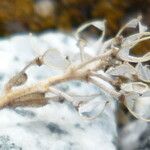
(108, 60)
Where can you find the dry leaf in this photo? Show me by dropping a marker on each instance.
(54, 58)
(136, 87)
(98, 24)
(143, 72)
(124, 70)
(124, 55)
(139, 105)
(92, 108)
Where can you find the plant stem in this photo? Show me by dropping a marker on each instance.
(106, 89)
(72, 73)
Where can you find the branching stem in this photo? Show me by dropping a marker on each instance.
(73, 73)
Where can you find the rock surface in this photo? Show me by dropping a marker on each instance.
(135, 136)
(56, 126)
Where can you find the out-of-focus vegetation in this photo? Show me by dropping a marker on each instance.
(39, 15)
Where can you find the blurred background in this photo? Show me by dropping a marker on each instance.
(17, 16)
(40, 15)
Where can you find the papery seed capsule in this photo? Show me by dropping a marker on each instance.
(16, 80)
(32, 100)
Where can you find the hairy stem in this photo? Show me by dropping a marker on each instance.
(106, 89)
(72, 73)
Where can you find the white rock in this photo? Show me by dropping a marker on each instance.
(56, 126)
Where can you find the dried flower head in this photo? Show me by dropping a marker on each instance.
(104, 61)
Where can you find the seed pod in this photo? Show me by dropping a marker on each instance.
(32, 100)
(17, 80)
